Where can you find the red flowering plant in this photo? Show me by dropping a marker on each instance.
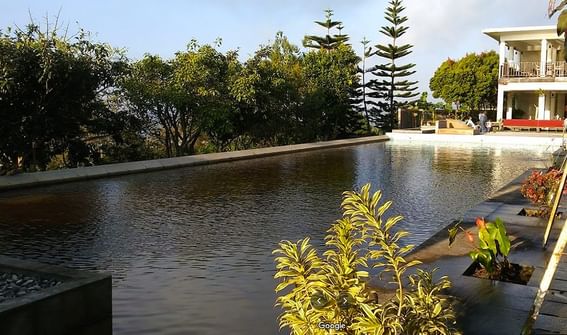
(493, 243)
(539, 187)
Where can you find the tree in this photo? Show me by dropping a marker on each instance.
(327, 42)
(52, 95)
(148, 91)
(390, 85)
(330, 71)
(471, 81)
(199, 80)
(331, 79)
(361, 91)
(561, 20)
(269, 93)
(183, 97)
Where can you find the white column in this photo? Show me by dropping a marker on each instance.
(560, 104)
(547, 110)
(502, 57)
(509, 105)
(502, 53)
(541, 107)
(543, 58)
(500, 104)
(552, 106)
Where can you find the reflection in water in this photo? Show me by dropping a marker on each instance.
(190, 249)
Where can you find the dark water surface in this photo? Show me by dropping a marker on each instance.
(190, 249)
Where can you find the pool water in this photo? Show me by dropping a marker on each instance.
(190, 249)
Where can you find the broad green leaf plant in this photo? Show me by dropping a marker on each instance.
(312, 289)
(493, 243)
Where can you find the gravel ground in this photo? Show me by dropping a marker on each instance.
(14, 285)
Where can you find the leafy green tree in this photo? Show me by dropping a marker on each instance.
(331, 79)
(52, 93)
(149, 93)
(184, 97)
(223, 122)
(390, 84)
(199, 79)
(327, 42)
(269, 93)
(470, 81)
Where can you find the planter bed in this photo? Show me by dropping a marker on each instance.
(519, 274)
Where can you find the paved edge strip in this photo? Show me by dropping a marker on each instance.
(541, 141)
(27, 180)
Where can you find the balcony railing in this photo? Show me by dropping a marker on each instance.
(533, 70)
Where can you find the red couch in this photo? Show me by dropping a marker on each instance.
(532, 124)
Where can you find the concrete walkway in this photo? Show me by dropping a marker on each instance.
(101, 171)
(494, 307)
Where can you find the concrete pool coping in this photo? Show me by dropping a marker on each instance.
(26, 180)
(498, 138)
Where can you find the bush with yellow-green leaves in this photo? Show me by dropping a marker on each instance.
(332, 295)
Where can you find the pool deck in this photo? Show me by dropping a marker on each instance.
(493, 307)
(43, 178)
(506, 138)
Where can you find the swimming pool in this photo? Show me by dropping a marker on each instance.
(190, 249)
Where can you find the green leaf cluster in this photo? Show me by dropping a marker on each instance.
(471, 82)
(363, 239)
(52, 96)
(183, 97)
(493, 243)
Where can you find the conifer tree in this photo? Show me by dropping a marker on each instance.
(391, 83)
(360, 100)
(327, 42)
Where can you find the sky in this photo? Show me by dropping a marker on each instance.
(438, 29)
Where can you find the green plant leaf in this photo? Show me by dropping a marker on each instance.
(453, 232)
(502, 238)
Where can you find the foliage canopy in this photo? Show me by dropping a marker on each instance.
(362, 240)
(471, 81)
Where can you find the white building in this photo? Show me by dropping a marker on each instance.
(532, 80)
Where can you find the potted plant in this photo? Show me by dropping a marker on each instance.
(490, 254)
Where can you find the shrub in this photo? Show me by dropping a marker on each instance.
(539, 187)
(361, 240)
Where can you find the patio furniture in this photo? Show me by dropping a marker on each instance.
(520, 124)
(455, 127)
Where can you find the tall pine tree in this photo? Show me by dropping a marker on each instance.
(327, 42)
(364, 85)
(391, 83)
(331, 78)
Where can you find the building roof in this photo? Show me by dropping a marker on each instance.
(523, 33)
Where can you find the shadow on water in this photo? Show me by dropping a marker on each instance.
(190, 249)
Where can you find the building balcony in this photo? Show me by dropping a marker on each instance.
(532, 71)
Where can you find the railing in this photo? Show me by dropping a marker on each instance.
(533, 70)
